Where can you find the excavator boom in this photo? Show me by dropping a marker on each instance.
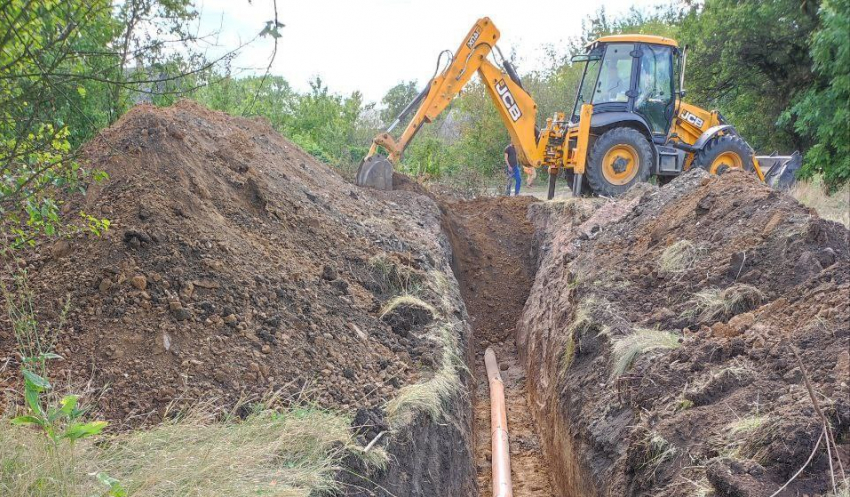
(516, 107)
(628, 122)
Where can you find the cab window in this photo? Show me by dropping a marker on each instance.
(585, 93)
(615, 76)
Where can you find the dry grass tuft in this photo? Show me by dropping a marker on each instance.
(294, 452)
(656, 450)
(406, 299)
(744, 439)
(835, 207)
(680, 257)
(718, 305)
(583, 324)
(628, 348)
(394, 277)
(746, 425)
(568, 355)
(432, 395)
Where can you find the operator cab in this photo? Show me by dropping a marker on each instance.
(630, 78)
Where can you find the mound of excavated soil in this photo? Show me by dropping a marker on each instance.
(657, 340)
(235, 265)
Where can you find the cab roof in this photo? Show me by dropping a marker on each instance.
(655, 40)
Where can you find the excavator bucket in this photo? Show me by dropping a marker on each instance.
(780, 170)
(375, 171)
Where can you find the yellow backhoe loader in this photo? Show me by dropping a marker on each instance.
(629, 120)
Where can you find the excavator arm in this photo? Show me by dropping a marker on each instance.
(516, 107)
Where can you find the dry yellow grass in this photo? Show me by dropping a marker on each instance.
(294, 452)
(406, 299)
(680, 257)
(626, 349)
(835, 207)
(713, 304)
(430, 396)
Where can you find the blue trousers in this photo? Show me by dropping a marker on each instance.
(514, 178)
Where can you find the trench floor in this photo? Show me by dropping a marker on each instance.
(492, 242)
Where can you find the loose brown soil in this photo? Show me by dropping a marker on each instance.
(492, 242)
(237, 266)
(725, 411)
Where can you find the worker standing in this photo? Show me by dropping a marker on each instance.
(513, 173)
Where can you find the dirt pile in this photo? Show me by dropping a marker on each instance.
(657, 338)
(237, 265)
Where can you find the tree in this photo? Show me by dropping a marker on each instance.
(65, 75)
(44, 66)
(821, 112)
(397, 99)
(751, 59)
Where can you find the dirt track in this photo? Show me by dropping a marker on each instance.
(492, 242)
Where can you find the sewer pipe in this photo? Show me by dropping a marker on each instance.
(502, 486)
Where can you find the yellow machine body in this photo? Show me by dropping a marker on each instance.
(564, 143)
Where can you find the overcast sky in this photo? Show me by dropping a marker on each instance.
(370, 45)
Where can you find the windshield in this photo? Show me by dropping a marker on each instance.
(605, 79)
(588, 82)
(616, 74)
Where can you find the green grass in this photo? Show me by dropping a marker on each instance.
(684, 404)
(627, 349)
(292, 452)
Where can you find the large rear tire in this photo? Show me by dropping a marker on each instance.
(620, 158)
(725, 152)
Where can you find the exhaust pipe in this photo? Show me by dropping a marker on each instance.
(502, 486)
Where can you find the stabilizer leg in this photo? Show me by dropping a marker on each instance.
(552, 178)
(577, 179)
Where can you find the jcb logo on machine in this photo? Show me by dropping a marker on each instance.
(508, 99)
(474, 37)
(688, 117)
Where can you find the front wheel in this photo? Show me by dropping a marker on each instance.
(620, 158)
(723, 153)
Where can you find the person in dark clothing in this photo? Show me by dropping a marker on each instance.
(512, 170)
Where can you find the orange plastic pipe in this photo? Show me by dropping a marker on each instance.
(502, 486)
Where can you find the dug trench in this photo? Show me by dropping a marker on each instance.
(646, 343)
(678, 341)
(493, 260)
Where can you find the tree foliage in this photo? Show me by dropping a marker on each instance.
(397, 99)
(68, 68)
(821, 113)
(750, 59)
(325, 124)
